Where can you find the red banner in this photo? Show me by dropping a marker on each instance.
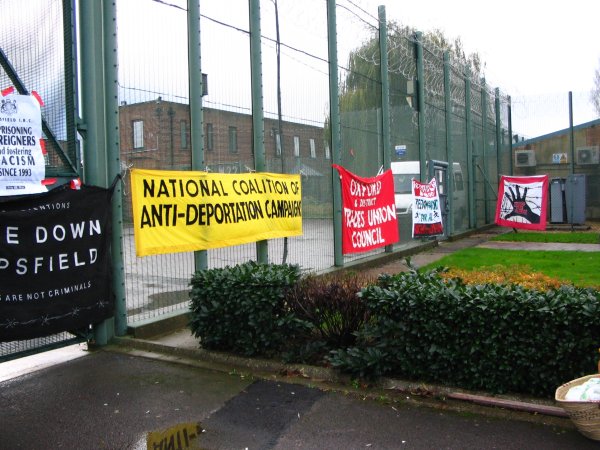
(369, 211)
(522, 202)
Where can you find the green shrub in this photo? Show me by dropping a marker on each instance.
(498, 338)
(242, 309)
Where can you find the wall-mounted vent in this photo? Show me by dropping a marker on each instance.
(587, 155)
(524, 158)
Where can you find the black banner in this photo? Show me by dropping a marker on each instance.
(55, 265)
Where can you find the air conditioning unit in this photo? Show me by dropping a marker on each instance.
(524, 158)
(587, 155)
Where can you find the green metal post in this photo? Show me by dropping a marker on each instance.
(385, 97)
(572, 147)
(510, 138)
(196, 114)
(571, 137)
(385, 89)
(421, 106)
(484, 147)
(470, 162)
(498, 131)
(449, 150)
(71, 93)
(92, 102)
(336, 139)
(114, 162)
(92, 93)
(258, 133)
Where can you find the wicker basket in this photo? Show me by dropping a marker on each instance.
(585, 415)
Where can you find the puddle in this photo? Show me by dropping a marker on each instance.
(183, 436)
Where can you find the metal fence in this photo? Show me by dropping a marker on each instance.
(429, 105)
(294, 42)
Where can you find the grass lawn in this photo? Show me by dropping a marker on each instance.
(578, 268)
(559, 237)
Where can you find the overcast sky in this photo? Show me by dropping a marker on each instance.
(535, 51)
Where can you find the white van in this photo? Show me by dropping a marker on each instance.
(405, 171)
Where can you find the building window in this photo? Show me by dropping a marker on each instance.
(277, 144)
(210, 137)
(138, 134)
(183, 129)
(296, 146)
(327, 152)
(313, 150)
(233, 142)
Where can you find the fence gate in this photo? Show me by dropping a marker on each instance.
(36, 54)
(439, 170)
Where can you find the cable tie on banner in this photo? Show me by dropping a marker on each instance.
(125, 169)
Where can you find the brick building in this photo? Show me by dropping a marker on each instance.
(156, 135)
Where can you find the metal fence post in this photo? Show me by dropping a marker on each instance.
(92, 102)
(571, 135)
(71, 92)
(113, 156)
(470, 162)
(421, 107)
(258, 135)
(484, 148)
(196, 115)
(449, 152)
(498, 131)
(385, 96)
(510, 138)
(336, 139)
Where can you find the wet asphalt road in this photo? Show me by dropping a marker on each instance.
(108, 400)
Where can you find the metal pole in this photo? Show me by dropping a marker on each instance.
(92, 93)
(498, 132)
(336, 140)
(258, 138)
(196, 114)
(572, 145)
(385, 89)
(195, 93)
(484, 169)
(571, 135)
(470, 162)
(114, 162)
(71, 97)
(421, 106)
(510, 139)
(279, 136)
(449, 149)
(385, 97)
(92, 102)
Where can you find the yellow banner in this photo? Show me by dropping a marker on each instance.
(178, 211)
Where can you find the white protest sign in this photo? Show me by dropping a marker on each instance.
(22, 166)
(426, 210)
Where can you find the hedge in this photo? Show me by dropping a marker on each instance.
(416, 325)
